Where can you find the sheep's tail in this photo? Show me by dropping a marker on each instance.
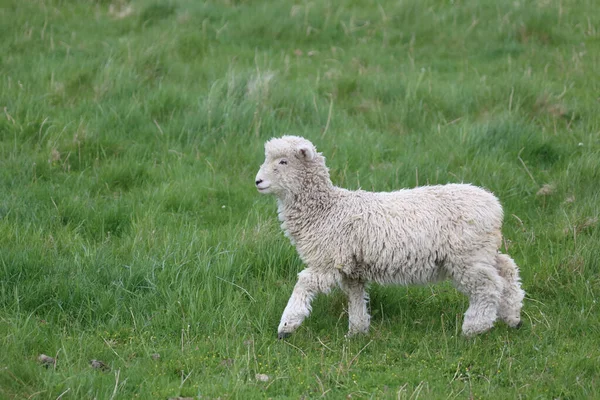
(511, 302)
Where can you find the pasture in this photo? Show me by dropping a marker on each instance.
(131, 231)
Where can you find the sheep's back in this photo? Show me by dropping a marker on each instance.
(408, 235)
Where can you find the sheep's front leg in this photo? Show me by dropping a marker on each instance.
(358, 315)
(309, 284)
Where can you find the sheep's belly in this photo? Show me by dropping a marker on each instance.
(413, 273)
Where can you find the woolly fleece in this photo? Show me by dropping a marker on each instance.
(410, 236)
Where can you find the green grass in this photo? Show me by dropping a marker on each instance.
(130, 136)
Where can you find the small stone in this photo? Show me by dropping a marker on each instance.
(262, 378)
(155, 356)
(46, 361)
(97, 364)
(546, 190)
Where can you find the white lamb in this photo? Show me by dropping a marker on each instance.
(415, 236)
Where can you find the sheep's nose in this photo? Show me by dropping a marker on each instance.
(258, 182)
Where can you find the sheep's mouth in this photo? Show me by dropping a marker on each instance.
(262, 189)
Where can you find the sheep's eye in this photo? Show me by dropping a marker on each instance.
(283, 162)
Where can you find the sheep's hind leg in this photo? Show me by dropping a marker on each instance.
(309, 284)
(358, 314)
(511, 302)
(483, 285)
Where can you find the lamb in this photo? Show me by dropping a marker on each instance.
(410, 236)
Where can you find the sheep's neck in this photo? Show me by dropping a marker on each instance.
(299, 211)
(315, 193)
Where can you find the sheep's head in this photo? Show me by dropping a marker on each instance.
(290, 162)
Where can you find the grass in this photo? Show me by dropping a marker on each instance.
(130, 135)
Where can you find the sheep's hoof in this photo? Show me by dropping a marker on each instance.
(519, 325)
(357, 332)
(283, 335)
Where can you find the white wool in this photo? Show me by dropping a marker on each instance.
(410, 236)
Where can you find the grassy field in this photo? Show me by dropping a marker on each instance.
(130, 136)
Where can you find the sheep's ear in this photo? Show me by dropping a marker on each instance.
(306, 152)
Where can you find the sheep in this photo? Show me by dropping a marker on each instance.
(410, 236)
